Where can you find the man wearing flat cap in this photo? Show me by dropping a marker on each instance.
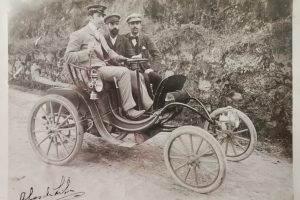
(87, 47)
(143, 44)
(121, 45)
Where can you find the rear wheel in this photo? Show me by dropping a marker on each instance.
(55, 131)
(195, 159)
(234, 131)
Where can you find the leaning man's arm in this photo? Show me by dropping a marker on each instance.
(74, 54)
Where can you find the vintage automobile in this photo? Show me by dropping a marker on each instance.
(195, 156)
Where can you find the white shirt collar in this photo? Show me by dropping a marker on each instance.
(92, 26)
(137, 35)
(113, 40)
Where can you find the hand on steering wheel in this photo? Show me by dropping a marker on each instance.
(122, 59)
(137, 56)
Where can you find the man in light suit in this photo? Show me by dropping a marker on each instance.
(121, 45)
(87, 47)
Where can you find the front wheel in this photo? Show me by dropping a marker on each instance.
(195, 159)
(235, 132)
(55, 131)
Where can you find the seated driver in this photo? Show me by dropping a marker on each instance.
(144, 46)
(121, 45)
(87, 47)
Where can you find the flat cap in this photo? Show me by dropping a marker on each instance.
(92, 8)
(135, 17)
(112, 18)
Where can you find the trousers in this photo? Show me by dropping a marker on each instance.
(144, 95)
(123, 76)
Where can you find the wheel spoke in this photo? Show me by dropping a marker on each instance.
(187, 174)
(241, 131)
(222, 141)
(199, 146)
(65, 137)
(192, 146)
(63, 144)
(207, 160)
(181, 166)
(46, 115)
(241, 138)
(178, 157)
(205, 151)
(207, 169)
(49, 146)
(43, 140)
(179, 151)
(59, 113)
(51, 110)
(56, 148)
(66, 129)
(196, 175)
(181, 141)
(65, 120)
(42, 131)
(226, 149)
(233, 148)
(202, 154)
(239, 144)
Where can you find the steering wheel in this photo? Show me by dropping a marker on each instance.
(136, 60)
(134, 63)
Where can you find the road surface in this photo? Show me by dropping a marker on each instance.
(104, 171)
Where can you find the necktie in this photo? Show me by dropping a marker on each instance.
(134, 40)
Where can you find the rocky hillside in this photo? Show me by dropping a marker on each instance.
(234, 52)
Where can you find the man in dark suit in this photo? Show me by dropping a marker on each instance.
(87, 47)
(143, 45)
(121, 45)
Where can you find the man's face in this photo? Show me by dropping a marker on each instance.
(113, 28)
(97, 19)
(135, 27)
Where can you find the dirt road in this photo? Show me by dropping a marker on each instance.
(104, 171)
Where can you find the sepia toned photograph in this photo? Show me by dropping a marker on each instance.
(149, 99)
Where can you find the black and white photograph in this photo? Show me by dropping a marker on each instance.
(150, 99)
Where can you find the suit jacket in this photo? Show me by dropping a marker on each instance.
(151, 52)
(77, 51)
(122, 46)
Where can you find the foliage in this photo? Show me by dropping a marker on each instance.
(234, 52)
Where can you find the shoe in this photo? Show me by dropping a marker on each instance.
(133, 114)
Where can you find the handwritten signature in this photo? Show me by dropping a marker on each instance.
(61, 192)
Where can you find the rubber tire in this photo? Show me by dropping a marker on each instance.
(215, 145)
(72, 109)
(248, 122)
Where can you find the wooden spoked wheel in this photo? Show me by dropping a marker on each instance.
(55, 130)
(195, 159)
(234, 131)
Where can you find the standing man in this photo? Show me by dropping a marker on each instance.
(143, 44)
(87, 46)
(121, 45)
